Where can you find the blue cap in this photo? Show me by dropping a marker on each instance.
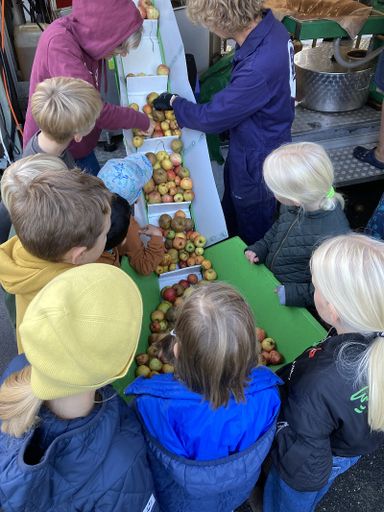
(127, 176)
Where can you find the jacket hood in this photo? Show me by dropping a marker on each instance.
(100, 25)
(23, 273)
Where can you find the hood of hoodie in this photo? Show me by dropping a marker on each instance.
(100, 26)
(21, 272)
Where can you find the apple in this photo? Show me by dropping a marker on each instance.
(186, 183)
(138, 141)
(183, 255)
(176, 145)
(171, 234)
(184, 283)
(183, 172)
(169, 295)
(142, 371)
(151, 157)
(174, 255)
(260, 334)
(158, 116)
(266, 356)
(177, 133)
(155, 326)
(149, 186)
(162, 188)
(155, 364)
(199, 260)
(165, 221)
(160, 269)
(147, 109)
(156, 165)
(154, 197)
(157, 315)
(167, 198)
(164, 125)
(152, 13)
(178, 198)
(157, 133)
(178, 224)
(166, 164)
(190, 246)
(135, 106)
(192, 278)
(206, 264)
(268, 344)
(179, 243)
(172, 267)
(182, 264)
(167, 368)
(164, 306)
(209, 275)
(275, 357)
(162, 69)
(191, 261)
(173, 125)
(160, 176)
(179, 289)
(199, 241)
(142, 359)
(167, 133)
(169, 114)
(175, 158)
(189, 195)
(153, 350)
(171, 175)
(168, 244)
(166, 260)
(163, 325)
(160, 155)
(143, 11)
(199, 251)
(172, 191)
(151, 97)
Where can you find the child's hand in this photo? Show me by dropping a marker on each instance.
(151, 230)
(251, 256)
(148, 133)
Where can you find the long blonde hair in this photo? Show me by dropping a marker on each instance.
(217, 344)
(303, 173)
(19, 407)
(348, 271)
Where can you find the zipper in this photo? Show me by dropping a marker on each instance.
(282, 242)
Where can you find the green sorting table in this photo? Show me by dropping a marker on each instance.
(294, 329)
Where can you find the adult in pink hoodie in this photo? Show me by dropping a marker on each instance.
(75, 46)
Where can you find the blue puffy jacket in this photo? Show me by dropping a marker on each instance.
(204, 459)
(93, 464)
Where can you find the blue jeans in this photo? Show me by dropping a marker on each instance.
(280, 497)
(375, 226)
(89, 164)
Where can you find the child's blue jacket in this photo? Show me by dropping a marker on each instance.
(204, 459)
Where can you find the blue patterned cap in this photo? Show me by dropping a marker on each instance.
(127, 176)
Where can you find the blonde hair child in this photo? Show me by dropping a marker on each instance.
(301, 178)
(217, 413)
(333, 412)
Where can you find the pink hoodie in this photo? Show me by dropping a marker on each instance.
(74, 46)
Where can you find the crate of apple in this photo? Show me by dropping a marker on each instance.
(170, 182)
(269, 353)
(147, 10)
(184, 247)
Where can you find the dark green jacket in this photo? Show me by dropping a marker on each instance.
(287, 248)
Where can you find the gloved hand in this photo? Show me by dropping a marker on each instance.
(164, 101)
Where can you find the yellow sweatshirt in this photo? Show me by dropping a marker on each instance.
(25, 275)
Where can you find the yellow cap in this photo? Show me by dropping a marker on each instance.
(81, 330)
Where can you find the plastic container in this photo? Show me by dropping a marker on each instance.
(26, 38)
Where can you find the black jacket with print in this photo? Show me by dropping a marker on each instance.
(323, 413)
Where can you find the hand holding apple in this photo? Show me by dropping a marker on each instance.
(149, 131)
(164, 101)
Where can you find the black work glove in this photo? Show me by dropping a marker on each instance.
(163, 101)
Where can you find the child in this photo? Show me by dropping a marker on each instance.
(332, 412)
(61, 219)
(64, 109)
(210, 426)
(126, 178)
(67, 441)
(257, 106)
(301, 178)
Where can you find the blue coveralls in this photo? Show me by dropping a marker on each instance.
(257, 107)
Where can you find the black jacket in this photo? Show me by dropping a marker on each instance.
(287, 248)
(323, 413)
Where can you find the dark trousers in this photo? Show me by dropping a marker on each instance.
(247, 218)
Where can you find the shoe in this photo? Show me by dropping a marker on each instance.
(368, 156)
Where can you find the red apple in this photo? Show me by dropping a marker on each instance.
(169, 295)
(275, 357)
(260, 334)
(184, 283)
(175, 158)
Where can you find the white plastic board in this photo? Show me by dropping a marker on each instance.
(145, 58)
(173, 277)
(156, 210)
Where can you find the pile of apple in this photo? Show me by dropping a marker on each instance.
(147, 10)
(163, 318)
(161, 69)
(269, 354)
(184, 247)
(170, 182)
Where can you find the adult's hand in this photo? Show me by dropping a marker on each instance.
(148, 133)
(164, 101)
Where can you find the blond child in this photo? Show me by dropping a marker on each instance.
(333, 410)
(61, 218)
(301, 178)
(64, 109)
(217, 415)
(126, 178)
(67, 440)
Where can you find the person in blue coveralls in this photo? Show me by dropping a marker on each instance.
(257, 106)
(211, 424)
